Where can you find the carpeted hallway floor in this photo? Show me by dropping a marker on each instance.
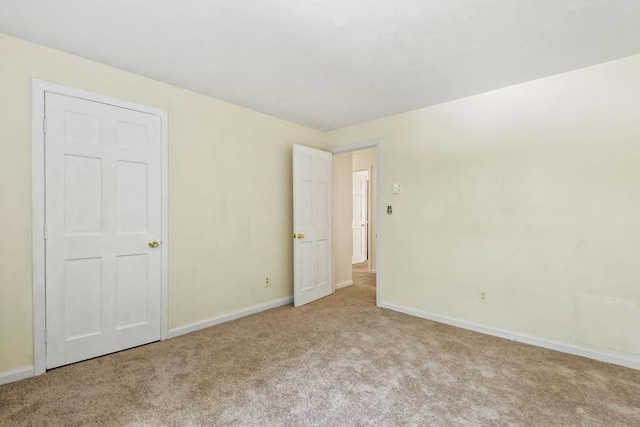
(338, 361)
(361, 276)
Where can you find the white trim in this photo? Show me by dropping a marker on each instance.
(374, 271)
(38, 88)
(357, 146)
(377, 144)
(344, 284)
(164, 243)
(16, 375)
(223, 318)
(577, 350)
(38, 220)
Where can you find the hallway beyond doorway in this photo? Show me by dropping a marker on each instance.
(361, 275)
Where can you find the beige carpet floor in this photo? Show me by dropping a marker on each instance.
(361, 275)
(338, 361)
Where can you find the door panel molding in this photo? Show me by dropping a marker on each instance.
(38, 128)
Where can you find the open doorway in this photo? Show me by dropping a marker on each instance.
(323, 206)
(355, 228)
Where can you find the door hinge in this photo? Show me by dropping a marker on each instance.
(44, 125)
(46, 336)
(45, 231)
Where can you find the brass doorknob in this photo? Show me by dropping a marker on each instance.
(300, 236)
(153, 244)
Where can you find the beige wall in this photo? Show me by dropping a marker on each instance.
(342, 217)
(531, 193)
(366, 160)
(229, 192)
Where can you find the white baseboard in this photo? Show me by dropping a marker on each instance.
(344, 284)
(181, 330)
(622, 360)
(374, 271)
(16, 374)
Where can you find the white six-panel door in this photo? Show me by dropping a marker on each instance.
(360, 217)
(103, 208)
(312, 219)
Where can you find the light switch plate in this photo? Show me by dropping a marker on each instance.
(396, 188)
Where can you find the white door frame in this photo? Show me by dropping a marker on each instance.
(38, 90)
(377, 144)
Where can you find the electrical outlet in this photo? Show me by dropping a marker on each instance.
(482, 296)
(267, 281)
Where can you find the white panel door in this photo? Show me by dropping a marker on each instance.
(360, 220)
(103, 209)
(312, 214)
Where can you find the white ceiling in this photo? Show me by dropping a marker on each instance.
(330, 64)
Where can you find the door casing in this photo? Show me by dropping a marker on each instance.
(39, 88)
